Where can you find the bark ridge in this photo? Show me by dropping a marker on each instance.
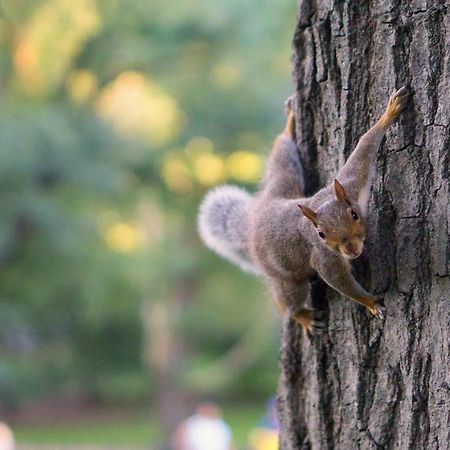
(369, 384)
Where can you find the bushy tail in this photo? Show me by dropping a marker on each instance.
(222, 223)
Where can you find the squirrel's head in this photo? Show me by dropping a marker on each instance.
(339, 223)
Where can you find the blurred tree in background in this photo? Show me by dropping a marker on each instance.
(115, 118)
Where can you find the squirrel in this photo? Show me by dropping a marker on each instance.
(287, 237)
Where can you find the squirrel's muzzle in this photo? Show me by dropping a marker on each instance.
(352, 249)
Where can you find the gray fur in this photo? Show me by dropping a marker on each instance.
(268, 234)
(223, 222)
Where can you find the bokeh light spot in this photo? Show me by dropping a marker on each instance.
(209, 169)
(245, 166)
(48, 42)
(176, 175)
(138, 107)
(123, 237)
(225, 76)
(81, 85)
(199, 144)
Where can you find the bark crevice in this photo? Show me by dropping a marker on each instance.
(366, 384)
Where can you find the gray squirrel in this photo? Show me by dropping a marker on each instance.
(287, 237)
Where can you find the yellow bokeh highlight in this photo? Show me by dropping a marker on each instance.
(123, 237)
(138, 107)
(245, 166)
(26, 64)
(209, 169)
(225, 75)
(176, 175)
(264, 439)
(48, 43)
(199, 144)
(81, 85)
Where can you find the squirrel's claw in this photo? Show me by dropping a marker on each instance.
(318, 323)
(397, 103)
(289, 104)
(315, 327)
(378, 310)
(312, 321)
(381, 313)
(403, 91)
(318, 316)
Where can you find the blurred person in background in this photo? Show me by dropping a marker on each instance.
(265, 435)
(6, 437)
(204, 430)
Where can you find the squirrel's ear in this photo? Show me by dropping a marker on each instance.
(309, 213)
(339, 192)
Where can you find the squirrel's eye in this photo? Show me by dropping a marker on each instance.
(354, 215)
(321, 234)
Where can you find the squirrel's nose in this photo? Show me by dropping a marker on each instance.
(353, 249)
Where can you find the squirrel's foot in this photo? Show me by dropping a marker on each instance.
(312, 321)
(289, 129)
(289, 105)
(396, 105)
(378, 309)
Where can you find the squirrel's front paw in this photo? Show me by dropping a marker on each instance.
(396, 104)
(378, 309)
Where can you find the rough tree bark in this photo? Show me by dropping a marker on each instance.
(370, 384)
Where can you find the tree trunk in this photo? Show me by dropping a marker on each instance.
(365, 383)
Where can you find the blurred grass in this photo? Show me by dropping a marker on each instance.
(137, 430)
(241, 419)
(140, 429)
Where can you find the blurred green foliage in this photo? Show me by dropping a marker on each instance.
(115, 118)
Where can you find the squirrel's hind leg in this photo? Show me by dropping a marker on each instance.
(290, 298)
(284, 175)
